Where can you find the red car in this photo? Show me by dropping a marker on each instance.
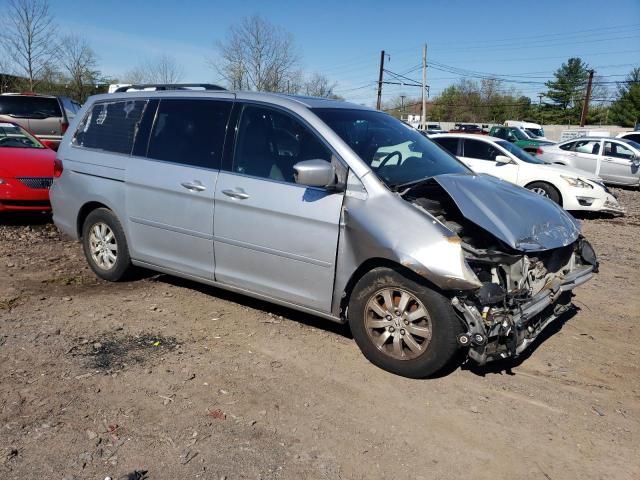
(26, 170)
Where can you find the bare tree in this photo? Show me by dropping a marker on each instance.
(258, 55)
(29, 37)
(319, 85)
(163, 69)
(78, 62)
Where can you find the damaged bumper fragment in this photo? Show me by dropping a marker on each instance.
(502, 323)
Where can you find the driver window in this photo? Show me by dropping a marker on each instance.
(617, 150)
(479, 150)
(271, 142)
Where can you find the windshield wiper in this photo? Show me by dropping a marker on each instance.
(400, 186)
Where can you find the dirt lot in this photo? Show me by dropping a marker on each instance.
(186, 381)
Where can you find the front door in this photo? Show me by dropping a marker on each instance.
(273, 236)
(480, 156)
(619, 165)
(587, 155)
(170, 185)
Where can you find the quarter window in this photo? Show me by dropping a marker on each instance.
(110, 126)
(190, 132)
(567, 146)
(271, 142)
(479, 150)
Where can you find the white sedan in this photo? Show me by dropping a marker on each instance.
(571, 188)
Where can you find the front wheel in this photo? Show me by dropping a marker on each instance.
(546, 190)
(402, 326)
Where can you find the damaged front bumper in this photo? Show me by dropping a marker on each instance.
(499, 329)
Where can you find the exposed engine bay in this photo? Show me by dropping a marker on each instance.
(523, 289)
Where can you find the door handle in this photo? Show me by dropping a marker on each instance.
(194, 186)
(236, 194)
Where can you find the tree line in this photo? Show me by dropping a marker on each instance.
(489, 100)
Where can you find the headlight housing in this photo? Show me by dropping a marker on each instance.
(576, 182)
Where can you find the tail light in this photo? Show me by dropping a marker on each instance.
(539, 151)
(57, 168)
(64, 127)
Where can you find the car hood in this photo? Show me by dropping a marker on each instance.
(27, 162)
(522, 219)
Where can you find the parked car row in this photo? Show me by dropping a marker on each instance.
(326, 207)
(573, 189)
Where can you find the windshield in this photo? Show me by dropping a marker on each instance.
(396, 153)
(17, 137)
(536, 132)
(519, 134)
(635, 145)
(519, 153)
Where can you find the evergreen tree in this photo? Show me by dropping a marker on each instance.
(625, 111)
(567, 90)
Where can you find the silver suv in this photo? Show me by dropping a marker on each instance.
(45, 115)
(323, 206)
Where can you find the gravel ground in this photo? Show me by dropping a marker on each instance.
(187, 381)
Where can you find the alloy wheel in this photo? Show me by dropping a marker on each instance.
(103, 246)
(398, 323)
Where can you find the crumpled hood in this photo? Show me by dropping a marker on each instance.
(522, 219)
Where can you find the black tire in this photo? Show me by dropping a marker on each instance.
(444, 324)
(122, 264)
(549, 190)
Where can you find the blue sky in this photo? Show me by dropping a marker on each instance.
(525, 41)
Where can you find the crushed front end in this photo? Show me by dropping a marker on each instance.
(519, 297)
(527, 253)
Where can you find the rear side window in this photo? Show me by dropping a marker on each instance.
(23, 106)
(479, 150)
(448, 143)
(588, 146)
(110, 126)
(190, 132)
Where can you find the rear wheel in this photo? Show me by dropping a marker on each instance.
(401, 325)
(546, 190)
(105, 245)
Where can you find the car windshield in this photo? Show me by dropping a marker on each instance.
(519, 153)
(635, 145)
(519, 134)
(14, 136)
(396, 153)
(536, 132)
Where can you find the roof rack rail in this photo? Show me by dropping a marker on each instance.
(168, 86)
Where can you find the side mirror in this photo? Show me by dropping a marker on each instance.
(314, 173)
(502, 160)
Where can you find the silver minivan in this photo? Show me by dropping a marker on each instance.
(323, 206)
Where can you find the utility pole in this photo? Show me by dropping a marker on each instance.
(540, 95)
(585, 106)
(380, 80)
(423, 120)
